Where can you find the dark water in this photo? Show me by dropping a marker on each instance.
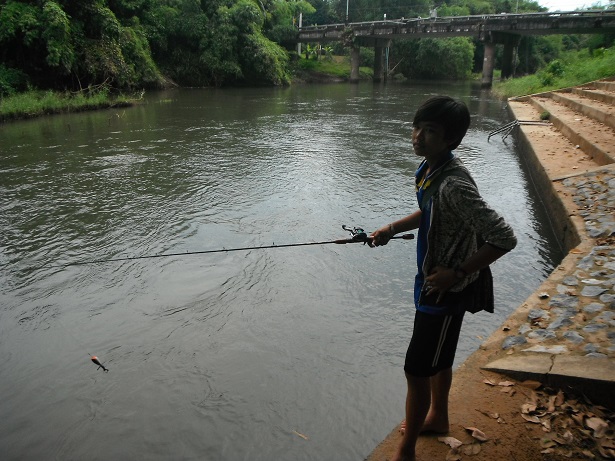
(223, 356)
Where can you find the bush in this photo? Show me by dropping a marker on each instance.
(12, 81)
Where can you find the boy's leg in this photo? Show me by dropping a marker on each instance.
(417, 406)
(437, 418)
(431, 354)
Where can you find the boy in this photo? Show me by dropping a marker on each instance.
(458, 235)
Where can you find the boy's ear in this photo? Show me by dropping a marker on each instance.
(452, 141)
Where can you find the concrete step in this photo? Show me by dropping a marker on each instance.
(605, 96)
(601, 111)
(606, 85)
(594, 138)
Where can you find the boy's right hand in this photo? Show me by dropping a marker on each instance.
(380, 237)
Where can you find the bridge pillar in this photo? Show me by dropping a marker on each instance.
(354, 64)
(378, 63)
(488, 65)
(380, 58)
(508, 57)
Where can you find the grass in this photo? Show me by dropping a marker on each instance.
(572, 69)
(36, 103)
(338, 68)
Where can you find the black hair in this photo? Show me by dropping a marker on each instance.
(452, 114)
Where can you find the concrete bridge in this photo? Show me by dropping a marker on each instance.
(493, 29)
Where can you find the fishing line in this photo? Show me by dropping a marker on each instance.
(358, 235)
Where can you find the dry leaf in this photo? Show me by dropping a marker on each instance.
(491, 415)
(532, 384)
(598, 425)
(453, 455)
(608, 443)
(531, 419)
(477, 434)
(551, 406)
(548, 443)
(568, 437)
(304, 437)
(578, 418)
(559, 441)
(606, 452)
(506, 383)
(451, 441)
(588, 454)
(471, 449)
(489, 382)
(576, 251)
(527, 408)
(559, 401)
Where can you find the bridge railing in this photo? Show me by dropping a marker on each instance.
(502, 17)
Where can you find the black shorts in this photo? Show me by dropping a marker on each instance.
(433, 344)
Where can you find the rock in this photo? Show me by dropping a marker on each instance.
(592, 291)
(511, 341)
(548, 349)
(570, 280)
(594, 327)
(564, 301)
(559, 323)
(536, 314)
(574, 337)
(541, 334)
(593, 308)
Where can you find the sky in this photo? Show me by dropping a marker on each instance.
(569, 5)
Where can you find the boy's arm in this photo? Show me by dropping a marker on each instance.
(383, 235)
(442, 278)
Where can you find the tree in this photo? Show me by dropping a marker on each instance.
(445, 58)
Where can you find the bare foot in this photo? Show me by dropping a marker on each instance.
(435, 426)
(402, 455)
(428, 428)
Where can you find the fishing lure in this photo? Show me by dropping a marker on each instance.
(100, 365)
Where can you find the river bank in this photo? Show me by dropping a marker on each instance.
(543, 385)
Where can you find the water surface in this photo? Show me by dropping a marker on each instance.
(223, 356)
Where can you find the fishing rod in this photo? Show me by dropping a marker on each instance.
(358, 235)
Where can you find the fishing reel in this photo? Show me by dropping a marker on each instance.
(357, 234)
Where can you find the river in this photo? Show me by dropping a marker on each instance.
(270, 354)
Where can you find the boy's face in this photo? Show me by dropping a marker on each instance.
(428, 140)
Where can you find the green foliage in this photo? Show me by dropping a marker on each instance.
(264, 61)
(57, 34)
(449, 58)
(281, 24)
(574, 68)
(18, 24)
(11, 81)
(338, 68)
(34, 103)
(366, 57)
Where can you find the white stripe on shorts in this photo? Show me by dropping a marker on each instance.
(447, 322)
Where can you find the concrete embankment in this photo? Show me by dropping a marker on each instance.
(561, 341)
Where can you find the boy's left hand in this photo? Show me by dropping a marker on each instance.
(440, 280)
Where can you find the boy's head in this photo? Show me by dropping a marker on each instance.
(453, 115)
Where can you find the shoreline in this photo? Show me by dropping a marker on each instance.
(562, 337)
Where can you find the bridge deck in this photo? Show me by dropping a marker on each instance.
(480, 26)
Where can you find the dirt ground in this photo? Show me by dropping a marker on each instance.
(517, 421)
